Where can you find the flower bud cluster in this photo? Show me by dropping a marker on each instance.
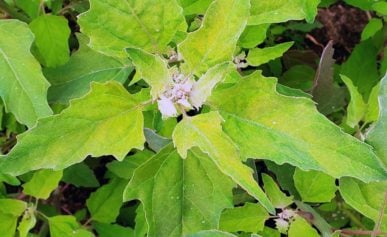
(176, 96)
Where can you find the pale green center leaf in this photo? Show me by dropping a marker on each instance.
(215, 41)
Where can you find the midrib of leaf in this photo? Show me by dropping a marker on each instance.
(211, 48)
(16, 75)
(91, 73)
(303, 142)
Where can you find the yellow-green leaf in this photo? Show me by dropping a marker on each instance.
(205, 132)
(215, 41)
(113, 25)
(267, 125)
(23, 87)
(107, 121)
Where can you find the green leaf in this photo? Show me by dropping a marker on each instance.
(314, 186)
(43, 182)
(27, 223)
(192, 7)
(362, 4)
(125, 168)
(66, 226)
(253, 35)
(105, 203)
(269, 232)
(258, 56)
(363, 73)
(216, 39)
(300, 227)
(265, 124)
(32, 7)
(144, 24)
(249, 218)
(112, 230)
(380, 7)
(276, 196)
(368, 199)
(73, 79)
(372, 112)
(299, 77)
(153, 70)
(275, 11)
(23, 87)
(373, 26)
(10, 210)
(80, 175)
(107, 111)
(51, 39)
(377, 136)
(180, 196)
(12, 207)
(356, 107)
(211, 233)
(205, 132)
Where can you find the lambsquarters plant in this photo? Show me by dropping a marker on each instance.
(184, 142)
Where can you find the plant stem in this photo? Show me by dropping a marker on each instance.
(380, 219)
(13, 12)
(323, 226)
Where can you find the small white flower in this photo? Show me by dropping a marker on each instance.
(167, 107)
(176, 93)
(287, 214)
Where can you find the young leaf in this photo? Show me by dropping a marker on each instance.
(105, 203)
(43, 182)
(314, 186)
(107, 111)
(145, 24)
(373, 26)
(215, 41)
(275, 11)
(258, 56)
(205, 132)
(10, 210)
(192, 7)
(66, 226)
(152, 68)
(51, 39)
(363, 73)
(368, 199)
(202, 88)
(377, 136)
(265, 124)
(112, 230)
(253, 35)
(80, 175)
(276, 196)
(23, 87)
(356, 107)
(27, 223)
(249, 218)
(300, 227)
(125, 168)
(73, 79)
(190, 192)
